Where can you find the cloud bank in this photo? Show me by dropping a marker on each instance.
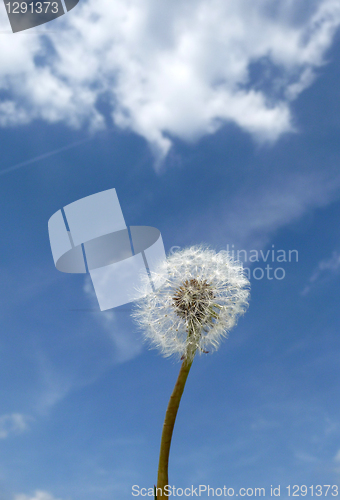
(170, 69)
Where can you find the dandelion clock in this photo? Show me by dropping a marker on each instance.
(199, 296)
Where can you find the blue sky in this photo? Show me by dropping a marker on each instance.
(217, 126)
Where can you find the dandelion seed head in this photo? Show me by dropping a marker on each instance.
(199, 296)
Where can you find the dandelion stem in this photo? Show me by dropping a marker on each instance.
(168, 427)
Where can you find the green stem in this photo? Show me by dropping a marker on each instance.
(168, 427)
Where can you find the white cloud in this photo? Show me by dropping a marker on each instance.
(171, 68)
(14, 423)
(38, 495)
(324, 268)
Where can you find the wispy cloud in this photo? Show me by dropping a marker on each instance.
(125, 343)
(336, 461)
(55, 385)
(278, 202)
(250, 217)
(325, 269)
(176, 69)
(37, 495)
(14, 423)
